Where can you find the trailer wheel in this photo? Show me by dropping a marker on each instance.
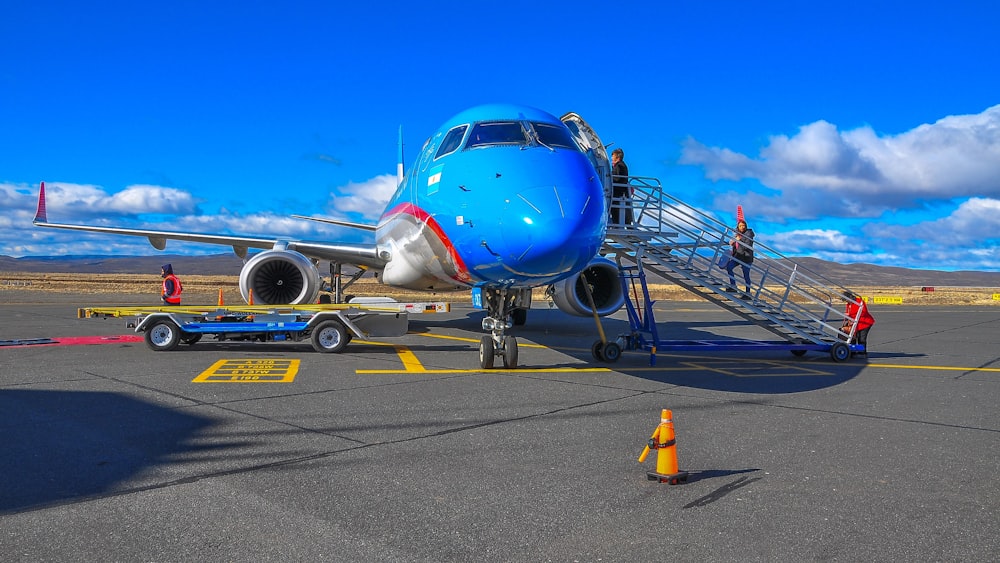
(329, 337)
(840, 352)
(486, 352)
(162, 336)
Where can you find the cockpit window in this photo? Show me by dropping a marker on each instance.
(451, 141)
(554, 136)
(497, 133)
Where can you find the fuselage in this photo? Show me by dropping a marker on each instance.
(499, 196)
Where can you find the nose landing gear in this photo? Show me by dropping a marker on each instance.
(504, 308)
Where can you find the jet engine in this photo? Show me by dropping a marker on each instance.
(280, 277)
(602, 275)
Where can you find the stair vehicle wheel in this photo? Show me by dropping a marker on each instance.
(612, 351)
(329, 337)
(486, 352)
(840, 352)
(509, 352)
(597, 350)
(164, 335)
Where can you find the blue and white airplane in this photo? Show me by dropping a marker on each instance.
(501, 199)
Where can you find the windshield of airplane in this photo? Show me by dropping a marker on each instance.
(497, 133)
(451, 140)
(554, 136)
(509, 133)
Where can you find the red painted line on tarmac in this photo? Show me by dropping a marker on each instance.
(70, 341)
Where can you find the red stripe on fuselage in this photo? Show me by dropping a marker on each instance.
(462, 272)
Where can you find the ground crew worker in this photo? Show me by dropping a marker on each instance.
(864, 321)
(171, 293)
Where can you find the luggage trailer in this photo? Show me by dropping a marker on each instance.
(328, 327)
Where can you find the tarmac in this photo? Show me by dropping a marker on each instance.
(403, 449)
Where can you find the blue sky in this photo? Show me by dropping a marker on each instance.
(849, 131)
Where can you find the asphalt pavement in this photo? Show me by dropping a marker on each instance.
(402, 449)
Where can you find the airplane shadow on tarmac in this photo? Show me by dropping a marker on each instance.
(70, 445)
(757, 370)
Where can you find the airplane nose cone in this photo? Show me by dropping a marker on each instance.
(549, 230)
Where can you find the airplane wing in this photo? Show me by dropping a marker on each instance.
(346, 253)
(362, 226)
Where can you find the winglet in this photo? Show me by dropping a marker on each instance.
(40, 216)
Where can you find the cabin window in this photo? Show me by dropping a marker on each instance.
(554, 136)
(451, 141)
(497, 133)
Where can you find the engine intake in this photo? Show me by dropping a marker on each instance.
(280, 277)
(602, 275)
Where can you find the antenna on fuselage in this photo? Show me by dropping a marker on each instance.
(399, 163)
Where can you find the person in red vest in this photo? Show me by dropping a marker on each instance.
(171, 293)
(865, 320)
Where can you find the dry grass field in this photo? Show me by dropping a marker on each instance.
(203, 289)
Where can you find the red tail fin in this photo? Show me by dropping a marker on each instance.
(40, 216)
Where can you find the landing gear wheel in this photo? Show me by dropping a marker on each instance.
(329, 337)
(612, 351)
(509, 352)
(163, 336)
(840, 352)
(486, 352)
(519, 317)
(597, 350)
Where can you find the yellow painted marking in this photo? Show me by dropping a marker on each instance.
(884, 300)
(517, 370)
(729, 368)
(943, 368)
(410, 362)
(996, 296)
(473, 340)
(250, 371)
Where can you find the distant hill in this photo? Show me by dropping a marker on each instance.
(847, 275)
(214, 265)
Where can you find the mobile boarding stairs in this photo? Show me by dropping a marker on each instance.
(686, 246)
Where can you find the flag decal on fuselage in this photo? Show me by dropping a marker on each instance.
(434, 179)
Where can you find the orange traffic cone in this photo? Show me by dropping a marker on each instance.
(221, 301)
(665, 444)
(249, 296)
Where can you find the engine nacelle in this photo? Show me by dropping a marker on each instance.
(602, 275)
(280, 277)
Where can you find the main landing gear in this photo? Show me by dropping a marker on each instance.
(504, 309)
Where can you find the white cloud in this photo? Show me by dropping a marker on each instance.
(816, 240)
(66, 200)
(132, 206)
(367, 198)
(974, 223)
(821, 171)
(152, 199)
